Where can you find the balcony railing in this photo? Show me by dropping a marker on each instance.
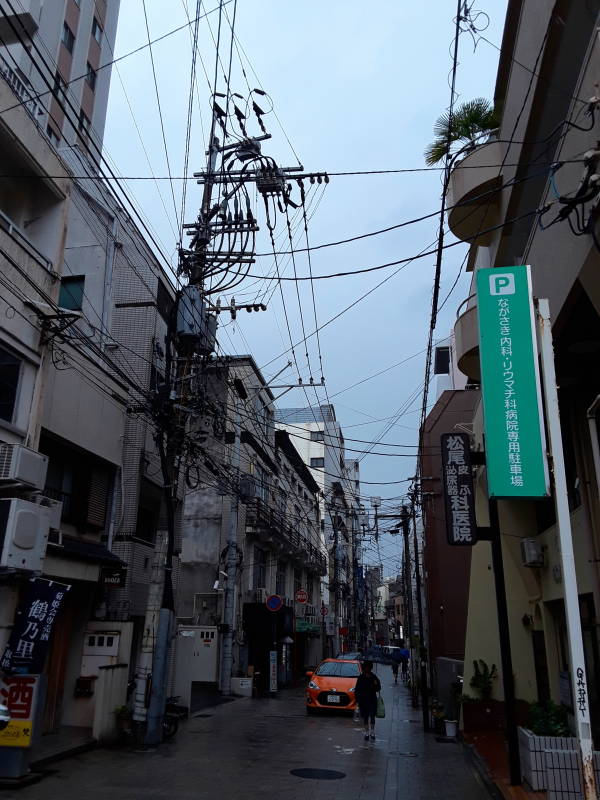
(262, 520)
(19, 88)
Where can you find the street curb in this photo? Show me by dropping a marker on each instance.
(38, 765)
(479, 765)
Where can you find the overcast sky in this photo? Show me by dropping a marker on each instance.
(355, 87)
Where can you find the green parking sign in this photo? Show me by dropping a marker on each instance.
(514, 434)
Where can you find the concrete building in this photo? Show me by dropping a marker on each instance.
(318, 437)
(82, 357)
(278, 532)
(548, 116)
(67, 83)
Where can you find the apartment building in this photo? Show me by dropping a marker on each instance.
(274, 500)
(68, 80)
(319, 439)
(549, 120)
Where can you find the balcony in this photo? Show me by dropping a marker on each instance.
(466, 340)
(270, 525)
(27, 17)
(472, 196)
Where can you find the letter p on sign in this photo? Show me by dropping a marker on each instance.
(502, 284)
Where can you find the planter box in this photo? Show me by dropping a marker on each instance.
(531, 752)
(563, 774)
(482, 715)
(242, 686)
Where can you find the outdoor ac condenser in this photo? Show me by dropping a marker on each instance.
(531, 553)
(19, 464)
(24, 528)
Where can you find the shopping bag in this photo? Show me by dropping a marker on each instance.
(380, 713)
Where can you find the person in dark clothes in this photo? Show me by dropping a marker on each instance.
(367, 687)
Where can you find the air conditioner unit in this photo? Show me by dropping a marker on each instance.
(24, 528)
(19, 464)
(531, 553)
(54, 510)
(260, 595)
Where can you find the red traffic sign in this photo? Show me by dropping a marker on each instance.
(273, 602)
(324, 611)
(302, 596)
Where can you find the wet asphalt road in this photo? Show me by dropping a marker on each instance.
(246, 749)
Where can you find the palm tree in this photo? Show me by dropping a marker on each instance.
(466, 124)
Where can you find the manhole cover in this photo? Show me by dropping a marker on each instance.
(401, 753)
(318, 774)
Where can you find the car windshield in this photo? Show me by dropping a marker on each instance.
(338, 669)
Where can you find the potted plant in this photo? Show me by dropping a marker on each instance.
(438, 716)
(467, 125)
(482, 713)
(483, 677)
(547, 729)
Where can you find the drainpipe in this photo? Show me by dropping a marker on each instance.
(593, 427)
(109, 264)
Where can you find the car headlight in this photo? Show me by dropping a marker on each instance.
(351, 690)
(312, 685)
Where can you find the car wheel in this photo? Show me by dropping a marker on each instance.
(310, 710)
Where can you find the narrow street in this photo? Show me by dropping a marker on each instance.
(247, 748)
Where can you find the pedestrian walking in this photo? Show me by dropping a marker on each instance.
(404, 656)
(367, 687)
(395, 671)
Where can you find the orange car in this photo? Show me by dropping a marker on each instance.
(332, 685)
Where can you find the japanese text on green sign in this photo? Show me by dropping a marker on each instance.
(515, 444)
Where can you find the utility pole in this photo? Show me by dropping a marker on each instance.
(422, 647)
(232, 558)
(408, 592)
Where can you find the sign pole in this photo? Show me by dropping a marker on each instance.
(508, 681)
(578, 672)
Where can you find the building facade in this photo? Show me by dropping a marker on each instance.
(548, 120)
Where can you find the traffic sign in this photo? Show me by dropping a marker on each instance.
(273, 602)
(324, 611)
(302, 596)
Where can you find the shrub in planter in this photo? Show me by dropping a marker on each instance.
(483, 677)
(548, 730)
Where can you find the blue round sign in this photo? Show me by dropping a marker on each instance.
(274, 602)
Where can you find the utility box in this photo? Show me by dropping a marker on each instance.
(197, 658)
(196, 328)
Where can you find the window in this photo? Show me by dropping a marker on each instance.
(164, 301)
(84, 123)
(90, 77)
(442, 361)
(60, 86)
(339, 669)
(71, 292)
(259, 569)
(317, 463)
(297, 580)
(52, 135)
(68, 39)
(10, 369)
(96, 30)
(317, 436)
(149, 508)
(82, 482)
(280, 578)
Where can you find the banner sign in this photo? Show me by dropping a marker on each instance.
(273, 670)
(28, 644)
(514, 435)
(461, 527)
(19, 693)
